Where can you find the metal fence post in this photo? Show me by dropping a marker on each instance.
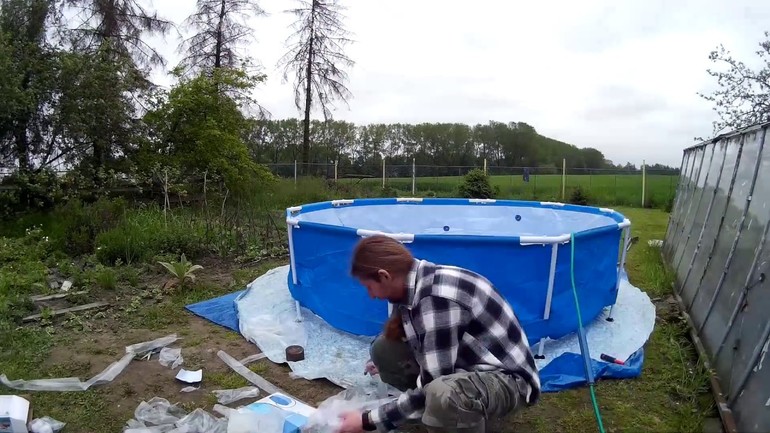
(295, 171)
(644, 180)
(383, 172)
(563, 178)
(335, 170)
(414, 174)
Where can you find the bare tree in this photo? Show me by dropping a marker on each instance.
(316, 57)
(743, 96)
(117, 27)
(221, 29)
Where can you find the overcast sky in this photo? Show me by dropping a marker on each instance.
(620, 76)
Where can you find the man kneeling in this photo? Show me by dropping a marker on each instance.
(452, 344)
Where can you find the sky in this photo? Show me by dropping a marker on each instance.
(620, 76)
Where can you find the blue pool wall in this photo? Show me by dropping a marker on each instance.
(321, 256)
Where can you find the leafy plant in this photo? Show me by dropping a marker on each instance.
(476, 184)
(181, 272)
(579, 197)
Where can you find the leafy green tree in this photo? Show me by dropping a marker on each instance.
(197, 129)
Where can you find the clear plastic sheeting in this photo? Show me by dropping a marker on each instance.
(458, 219)
(227, 396)
(45, 424)
(340, 357)
(158, 415)
(107, 375)
(248, 421)
(267, 315)
(326, 418)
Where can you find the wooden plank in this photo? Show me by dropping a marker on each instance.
(38, 298)
(66, 310)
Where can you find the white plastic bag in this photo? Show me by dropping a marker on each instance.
(247, 421)
(170, 357)
(45, 425)
(326, 419)
(227, 396)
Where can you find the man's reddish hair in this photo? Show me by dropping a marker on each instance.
(380, 252)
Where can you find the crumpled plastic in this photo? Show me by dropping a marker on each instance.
(326, 418)
(45, 424)
(158, 415)
(107, 375)
(227, 396)
(171, 357)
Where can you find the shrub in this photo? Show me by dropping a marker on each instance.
(476, 184)
(77, 225)
(579, 197)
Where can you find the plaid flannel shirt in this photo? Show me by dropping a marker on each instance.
(455, 320)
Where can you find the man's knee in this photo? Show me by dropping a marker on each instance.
(467, 399)
(447, 406)
(395, 362)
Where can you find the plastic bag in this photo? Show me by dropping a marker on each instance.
(200, 421)
(227, 396)
(45, 424)
(171, 357)
(326, 419)
(158, 412)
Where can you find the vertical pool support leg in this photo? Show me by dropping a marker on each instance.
(621, 265)
(290, 223)
(299, 312)
(548, 296)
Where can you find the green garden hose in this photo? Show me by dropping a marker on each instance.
(582, 339)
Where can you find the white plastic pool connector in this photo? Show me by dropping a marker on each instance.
(290, 224)
(390, 309)
(409, 199)
(551, 278)
(401, 237)
(481, 200)
(543, 240)
(294, 209)
(606, 210)
(342, 202)
(626, 223)
(551, 203)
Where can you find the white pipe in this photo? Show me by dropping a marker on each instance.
(543, 239)
(390, 309)
(625, 224)
(551, 277)
(626, 232)
(606, 210)
(409, 199)
(644, 179)
(481, 200)
(290, 229)
(294, 209)
(402, 237)
(551, 203)
(299, 312)
(335, 170)
(341, 202)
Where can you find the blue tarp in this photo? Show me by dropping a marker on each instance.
(565, 372)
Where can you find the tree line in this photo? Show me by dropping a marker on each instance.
(75, 81)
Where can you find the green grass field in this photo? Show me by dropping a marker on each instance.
(601, 189)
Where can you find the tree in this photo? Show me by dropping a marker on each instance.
(743, 96)
(197, 130)
(316, 57)
(28, 87)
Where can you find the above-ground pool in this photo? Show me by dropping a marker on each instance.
(522, 247)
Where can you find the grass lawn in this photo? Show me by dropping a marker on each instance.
(671, 395)
(604, 189)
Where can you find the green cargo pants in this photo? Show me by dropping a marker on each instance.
(460, 402)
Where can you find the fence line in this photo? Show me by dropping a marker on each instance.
(641, 187)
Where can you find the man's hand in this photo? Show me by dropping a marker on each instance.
(370, 368)
(351, 423)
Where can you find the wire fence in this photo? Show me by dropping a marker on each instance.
(632, 187)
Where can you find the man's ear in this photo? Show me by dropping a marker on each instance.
(384, 275)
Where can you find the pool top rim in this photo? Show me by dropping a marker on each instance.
(621, 222)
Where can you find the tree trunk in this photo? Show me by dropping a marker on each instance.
(308, 96)
(218, 48)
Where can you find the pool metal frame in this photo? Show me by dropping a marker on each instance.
(293, 223)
